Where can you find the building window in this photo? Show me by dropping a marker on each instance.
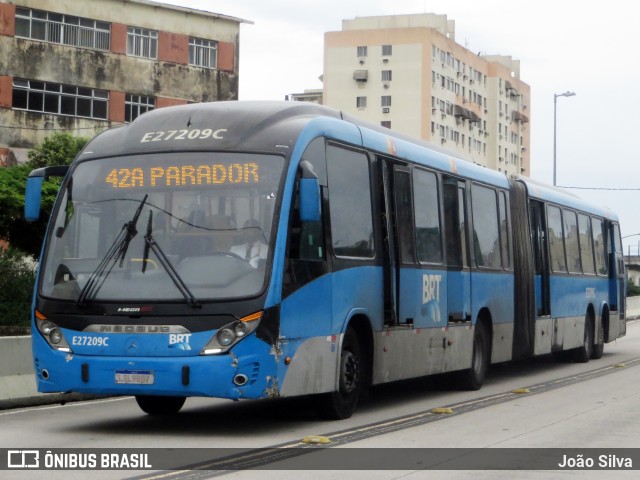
(386, 50)
(386, 75)
(142, 42)
(362, 51)
(203, 53)
(361, 102)
(62, 29)
(385, 124)
(385, 101)
(47, 97)
(136, 105)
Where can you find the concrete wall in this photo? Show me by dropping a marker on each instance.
(17, 380)
(17, 377)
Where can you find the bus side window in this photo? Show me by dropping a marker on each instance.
(486, 231)
(427, 217)
(350, 208)
(599, 246)
(572, 246)
(556, 239)
(586, 249)
(504, 229)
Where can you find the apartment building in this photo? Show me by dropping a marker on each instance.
(406, 72)
(83, 66)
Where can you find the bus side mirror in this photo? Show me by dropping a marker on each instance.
(309, 200)
(33, 192)
(32, 198)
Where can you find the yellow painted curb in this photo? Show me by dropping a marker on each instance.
(520, 390)
(316, 439)
(442, 410)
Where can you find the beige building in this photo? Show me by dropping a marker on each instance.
(407, 72)
(83, 66)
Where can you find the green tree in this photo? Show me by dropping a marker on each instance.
(58, 149)
(17, 277)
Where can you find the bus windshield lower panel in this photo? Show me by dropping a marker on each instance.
(163, 227)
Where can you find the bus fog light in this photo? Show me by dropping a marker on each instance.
(226, 337)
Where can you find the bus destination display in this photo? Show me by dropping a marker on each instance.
(183, 175)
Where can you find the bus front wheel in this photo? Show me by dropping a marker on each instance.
(342, 403)
(157, 405)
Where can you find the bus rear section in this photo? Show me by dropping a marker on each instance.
(578, 281)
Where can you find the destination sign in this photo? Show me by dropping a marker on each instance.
(183, 175)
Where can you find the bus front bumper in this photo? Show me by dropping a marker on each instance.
(223, 376)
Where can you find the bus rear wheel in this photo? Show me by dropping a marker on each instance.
(157, 405)
(583, 354)
(473, 378)
(598, 347)
(342, 403)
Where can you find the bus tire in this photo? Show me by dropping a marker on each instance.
(473, 378)
(342, 403)
(583, 354)
(598, 346)
(159, 405)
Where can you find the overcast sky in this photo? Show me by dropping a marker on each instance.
(583, 46)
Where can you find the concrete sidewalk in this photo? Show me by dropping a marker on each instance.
(18, 383)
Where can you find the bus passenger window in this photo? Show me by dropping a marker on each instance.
(350, 200)
(556, 239)
(427, 217)
(571, 241)
(600, 246)
(504, 230)
(486, 236)
(586, 248)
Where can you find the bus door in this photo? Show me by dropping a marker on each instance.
(617, 283)
(407, 287)
(457, 258)
(541, 258)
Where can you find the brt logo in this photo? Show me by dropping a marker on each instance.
(431, 288)
(179, 338)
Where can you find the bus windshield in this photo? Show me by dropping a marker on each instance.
(163, 227)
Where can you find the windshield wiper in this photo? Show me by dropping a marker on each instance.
(118, 250)
(150, 243)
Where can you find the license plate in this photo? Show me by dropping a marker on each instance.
(136, 377)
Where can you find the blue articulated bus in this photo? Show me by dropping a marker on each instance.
(247, 250)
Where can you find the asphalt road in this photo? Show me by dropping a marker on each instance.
(561, 405)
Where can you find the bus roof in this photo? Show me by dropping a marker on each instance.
(277, 126)
(560, 196)
(269, 127)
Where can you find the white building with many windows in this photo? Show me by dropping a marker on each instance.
(407, 73)
(82, 66)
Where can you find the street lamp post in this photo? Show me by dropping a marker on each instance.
(555, 102)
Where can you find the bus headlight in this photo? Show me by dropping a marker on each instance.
(240, 329)
(51, 333)
(231, 334)
(56, 336)
(226, 337)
